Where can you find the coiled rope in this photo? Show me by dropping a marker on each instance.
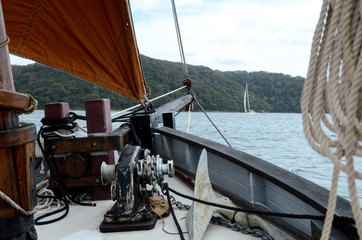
(334, 85)
(60, 127)
(32, 107)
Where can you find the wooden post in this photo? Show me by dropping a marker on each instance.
(99, 122)
(17, 145)
(55, 111)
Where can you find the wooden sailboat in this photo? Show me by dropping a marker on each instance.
(246, 101)
(95, 41)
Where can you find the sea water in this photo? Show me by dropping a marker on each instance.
(274, 137)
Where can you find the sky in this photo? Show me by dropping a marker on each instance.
(228, 35)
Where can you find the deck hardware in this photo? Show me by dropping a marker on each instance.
(135, 170)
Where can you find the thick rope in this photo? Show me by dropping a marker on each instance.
(334, 86)
(46, 201)
(32, 107)
(16, 206)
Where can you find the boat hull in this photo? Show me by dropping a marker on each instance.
(246, 179)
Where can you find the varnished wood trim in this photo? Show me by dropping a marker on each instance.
(13, 100)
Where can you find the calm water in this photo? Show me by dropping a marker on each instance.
(276, 138)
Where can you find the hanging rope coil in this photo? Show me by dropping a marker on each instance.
(332, 97)
(46, 201)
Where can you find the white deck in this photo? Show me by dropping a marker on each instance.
(83, 223)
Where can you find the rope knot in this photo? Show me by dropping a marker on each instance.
(187, 82)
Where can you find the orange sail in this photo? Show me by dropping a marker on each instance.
(92, 39)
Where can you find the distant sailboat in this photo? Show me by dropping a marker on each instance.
(246, 101)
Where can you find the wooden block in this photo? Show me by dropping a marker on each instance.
(98, 114)
(13, 100)
(99, 121)
(54, 111)
(57, 110)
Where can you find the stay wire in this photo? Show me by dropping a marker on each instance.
(257, 212)
(182, 55)
(202, 109)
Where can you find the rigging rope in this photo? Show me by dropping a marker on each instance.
(14, 205)
(190, 107)
(202, 109)
(254, 211)
(32, 107)
(183, 60)
(332, 98)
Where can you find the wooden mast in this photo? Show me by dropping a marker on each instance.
(16, 150)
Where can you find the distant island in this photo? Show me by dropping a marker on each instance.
(215, 90)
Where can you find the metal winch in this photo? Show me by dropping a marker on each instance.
(133, 180)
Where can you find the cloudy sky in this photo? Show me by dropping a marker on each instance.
(251, 35)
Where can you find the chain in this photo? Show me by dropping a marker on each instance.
(180, 205)
(218, 220)
(154, 181)
(238, 228)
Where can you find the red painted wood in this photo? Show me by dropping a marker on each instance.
(99, 122)
(57, 110)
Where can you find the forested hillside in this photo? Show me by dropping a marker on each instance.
(215, 90)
